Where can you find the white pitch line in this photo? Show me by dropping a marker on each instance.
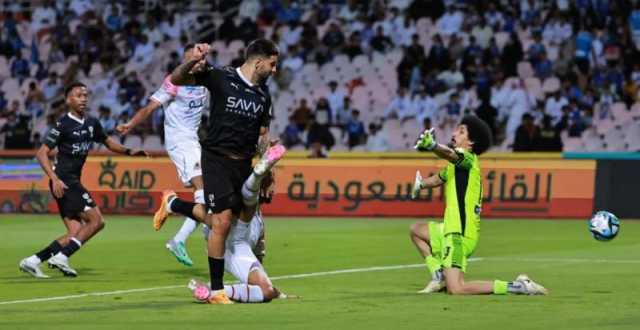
(327, 273)
(284, 277)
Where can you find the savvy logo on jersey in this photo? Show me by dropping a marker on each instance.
(243, 107)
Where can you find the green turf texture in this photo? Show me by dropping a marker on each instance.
(593, 285)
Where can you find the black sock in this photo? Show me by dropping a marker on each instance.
(50, 250)
(216, 270)
(182, 207)
(71, 248)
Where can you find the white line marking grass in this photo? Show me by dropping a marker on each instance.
(327, 273)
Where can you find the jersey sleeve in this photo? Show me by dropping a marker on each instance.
(98, 132)
(53, 136)
(207, 77)
(166, 92)
(443, 174)
(465, 159)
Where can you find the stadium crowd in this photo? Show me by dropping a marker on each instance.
(354, 75)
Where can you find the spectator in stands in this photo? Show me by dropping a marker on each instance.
(548, 137)
(425, 105)
(512, 54)
(554, 105)
(51, 87)
(34, 101)
(451, 22)
(133, 88)
(377, 139)
(438, 55)
(143, 52)
(488, 113)
(381, 42)
(302, 115)
(319, 134)
(634, 24)
(323, 113)
(17, 131)
(536, 49)
(584, 50)
(334, 38)
(451, 111)
(341, 115)
(3, 103)
(526, 134)
(20, 68)
(401, 106)
(544, 67)
(353, 48)
(355, 130)
(482, 32)
(336, 98)
(107, 122)
(291, 135)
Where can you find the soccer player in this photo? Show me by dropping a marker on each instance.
(183, 106)
(240, 113)
(244, 250)
(73, 135)
(446, 246)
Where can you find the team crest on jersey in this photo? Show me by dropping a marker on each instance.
(212, 202)
(91, 131)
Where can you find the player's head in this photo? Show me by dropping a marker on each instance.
(267, 188)
(473, 134)
(187, 49)
(262, 54)
(76, 97)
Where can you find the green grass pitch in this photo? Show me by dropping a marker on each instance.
(593, 285)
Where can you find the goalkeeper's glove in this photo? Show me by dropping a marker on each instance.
(426, 141)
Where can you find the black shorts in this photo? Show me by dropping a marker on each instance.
(76, 199)
(223, 178)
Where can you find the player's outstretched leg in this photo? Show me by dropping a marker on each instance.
(171, 203)
(31, 264)
(177, 244)
(251, 187)
(258, 290)
(522, 285)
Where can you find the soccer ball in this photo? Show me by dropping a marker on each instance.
(604, 226)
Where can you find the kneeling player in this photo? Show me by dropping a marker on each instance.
(446, 246)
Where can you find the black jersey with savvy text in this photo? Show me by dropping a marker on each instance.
(238, 109)
(74, 137)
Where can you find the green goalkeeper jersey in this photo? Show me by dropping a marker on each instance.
(463, 195)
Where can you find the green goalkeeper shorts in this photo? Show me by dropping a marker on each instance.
(452, 249)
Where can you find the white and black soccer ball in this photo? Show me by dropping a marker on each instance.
(604, 226)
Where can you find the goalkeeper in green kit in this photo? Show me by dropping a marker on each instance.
(447, 245)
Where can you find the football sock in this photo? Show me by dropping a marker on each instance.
(244, 293)
(176, 205)
(500, 287)
(216, 272)
(251, 189)
(188, 226)
(49, 251)
(434, 266)
(71, 248)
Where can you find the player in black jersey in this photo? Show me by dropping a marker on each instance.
(73, 135)
(240, 107)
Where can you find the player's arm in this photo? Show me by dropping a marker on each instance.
(183, 74)
(51, 141)
(141, 115)
(427, 142)
(431, 182)
(118, 148)
(42, 155)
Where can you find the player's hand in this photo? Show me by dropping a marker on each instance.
(58, 188)
(426, 141)
(139, 153)
(199, 51)
(124, 129)
(199, 67)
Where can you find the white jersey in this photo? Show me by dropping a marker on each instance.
(183, 106)
(246, 233)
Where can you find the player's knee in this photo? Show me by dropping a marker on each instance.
(455, 289)
(414, 229)
(100, 224)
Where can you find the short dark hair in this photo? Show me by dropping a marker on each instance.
(479, 133)
(261, 48)
(188, 47)
(71, 86)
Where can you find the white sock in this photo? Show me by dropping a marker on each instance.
(244, 293)
(189, 225)
(251, 189)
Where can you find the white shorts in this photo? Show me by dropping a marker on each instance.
(239, 258)
(185, 155)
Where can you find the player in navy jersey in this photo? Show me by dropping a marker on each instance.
(73, 135)
(240, 113)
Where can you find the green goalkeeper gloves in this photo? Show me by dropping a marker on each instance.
(426, 141)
